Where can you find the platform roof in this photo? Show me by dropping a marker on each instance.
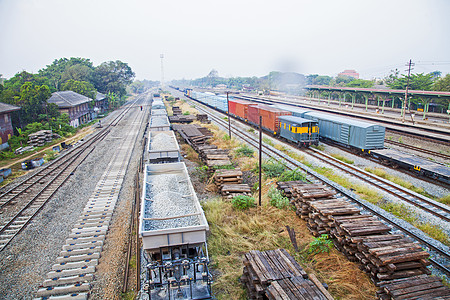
(429, 94)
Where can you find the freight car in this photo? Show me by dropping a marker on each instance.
(173, 229)
(356, 135)
(163, 147)
(159, 123)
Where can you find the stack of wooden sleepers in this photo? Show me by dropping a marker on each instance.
(203, 118)
(192, 135)
(417, 287)
(275, 274)
(224, 176)
(361, 237)
(178, 116)
(176, 110)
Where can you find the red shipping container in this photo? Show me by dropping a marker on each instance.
(239, 108)
(269, 116)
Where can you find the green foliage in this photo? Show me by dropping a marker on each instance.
(244, 150)
(272, 168)
(113, 77)
(320, 245)
(442, 84)
(81, 87)
(416, 82)
(277, 199)
(224, 167)
(243, 202)
(292, 175)
(201, 172)
(226, 137)
(360, 83)
(186, 113)
(251, 130)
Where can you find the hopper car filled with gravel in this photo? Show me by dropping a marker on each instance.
(163, 147)
(159, 123)
(173, 229)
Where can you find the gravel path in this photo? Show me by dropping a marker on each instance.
(26, 261)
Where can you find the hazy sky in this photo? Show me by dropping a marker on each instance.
(235, 37)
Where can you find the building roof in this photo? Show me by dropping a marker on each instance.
(67, 99)
(431, 94)
(100, 97)
(5, 108)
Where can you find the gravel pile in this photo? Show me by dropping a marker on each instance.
(163, 141)
(158, 121)
(168, 195)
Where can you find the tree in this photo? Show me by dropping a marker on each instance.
(416, 82)
(342, 80)
(80, 87)
(64, 69)
(442, 84)
(113, 76)
(360, 83)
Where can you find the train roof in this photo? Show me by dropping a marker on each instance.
(338, 119)
(271, 108)
(241, 101)
(294, 119)
(293, 109)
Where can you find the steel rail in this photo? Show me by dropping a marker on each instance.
(425, 151)
(385, 185)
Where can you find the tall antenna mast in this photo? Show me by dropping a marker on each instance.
(162, 71)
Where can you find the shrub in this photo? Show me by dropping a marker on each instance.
(244, 150)
(292, 175)
(272, 168)
(243, 202)
(226, 137)
(186, 113)
(251, 130)
(277, 199)
(320, 244)
(201, 172)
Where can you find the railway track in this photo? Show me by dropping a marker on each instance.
(424, 151)
(439, 252)
(21, 203)
(396, 130)
(437, 209)
(73, 272)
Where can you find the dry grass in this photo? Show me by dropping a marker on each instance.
(234, 233)
(190, 153)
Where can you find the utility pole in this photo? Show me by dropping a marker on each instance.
(229, 118)
(260, 160)
(406, 91)
(162, 72)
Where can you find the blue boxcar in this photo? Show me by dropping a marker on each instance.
(301, 131)
(358, 134)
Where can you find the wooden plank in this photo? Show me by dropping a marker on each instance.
(320, 286)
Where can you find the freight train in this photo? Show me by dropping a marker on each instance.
(360, 137)
(172, 223)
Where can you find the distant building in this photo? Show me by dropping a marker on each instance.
(6, 128)
(221, 86)
(350, 73)
(73, 104)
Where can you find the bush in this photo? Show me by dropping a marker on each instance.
(186, 113)
(292, 175)
(272, 168)
(226, 137)
(320, 245)
(243, 202)
(244, 150)
(277, 199)
(201, 172)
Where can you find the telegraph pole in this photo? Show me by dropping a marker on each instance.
(229, 118)
(406, 91)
